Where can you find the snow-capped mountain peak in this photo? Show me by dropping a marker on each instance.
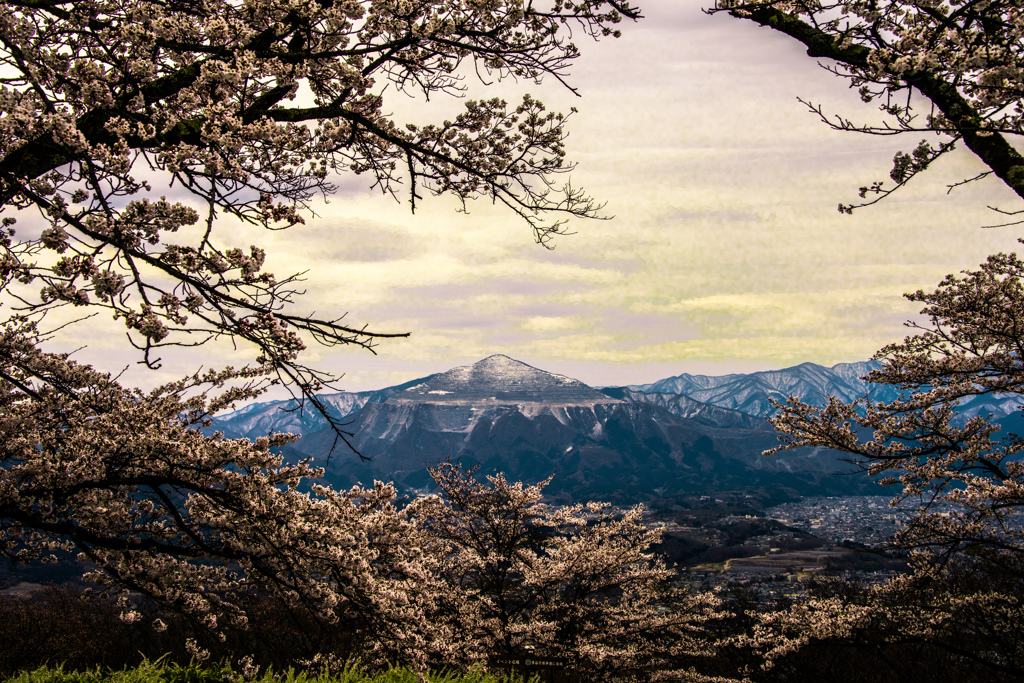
(500, 379)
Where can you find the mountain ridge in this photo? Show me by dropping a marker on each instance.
(620, 444)
(289, 415)
(616, 444)
(752, 393)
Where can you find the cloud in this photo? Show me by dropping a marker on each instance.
(725, 250)
(549, 323)
(362, 241)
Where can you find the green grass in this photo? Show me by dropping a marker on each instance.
(159, 672)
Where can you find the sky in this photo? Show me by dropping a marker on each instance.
(724, 251)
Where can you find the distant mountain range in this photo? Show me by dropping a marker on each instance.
(752, 393)
(504, 380)
(621, 444)
(258, 419)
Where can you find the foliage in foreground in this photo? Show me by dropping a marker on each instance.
(160, 672)
(486, 568)
(117, 476)
(882, 644)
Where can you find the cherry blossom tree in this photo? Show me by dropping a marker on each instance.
(966, 474)
(133, 135)
(949, 71)
(959, 623)
(946, 72)
(575, 582)
(129, 482)
(195, 522)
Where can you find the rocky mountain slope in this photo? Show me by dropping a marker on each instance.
(258, 419)
(499, 380)
(684, 406)
(619, 445)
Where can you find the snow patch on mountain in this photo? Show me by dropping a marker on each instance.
(499, 379)
(753, 393)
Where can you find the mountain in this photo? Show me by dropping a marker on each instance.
(498, 380)
(751, 393)
(258, 419)
(616, 445)
(684, 406)
(809, 382)
(680, 436)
